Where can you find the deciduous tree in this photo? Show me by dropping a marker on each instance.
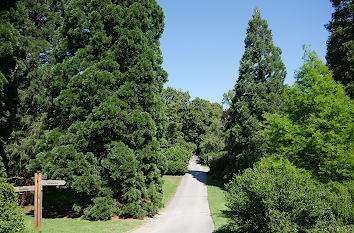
(316, 130)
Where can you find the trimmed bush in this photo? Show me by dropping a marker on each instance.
(177, 160)
(275, 196)
(11, 219)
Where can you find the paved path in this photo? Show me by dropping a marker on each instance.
(188, 211)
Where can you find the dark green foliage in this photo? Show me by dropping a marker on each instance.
(275, 196)
(106, 122)
(316, 130)
(103, 208)
(213, 141)
(11, 219)
(177, 160)
(340, 45)
(12, 66)
(205, 158)
(258, 90)
(41, 18)
(219, 164)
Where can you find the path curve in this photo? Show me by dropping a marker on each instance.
(188, 211)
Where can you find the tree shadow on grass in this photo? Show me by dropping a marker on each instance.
(222, 229)
(57, 203)
(212, 181)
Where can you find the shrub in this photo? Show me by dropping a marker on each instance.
(11, 219)
(341, 198)
(102, 209)
(275, 196)
(177, 160)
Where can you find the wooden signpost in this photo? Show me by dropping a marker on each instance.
(39, 182)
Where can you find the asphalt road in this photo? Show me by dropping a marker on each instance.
(188, 211)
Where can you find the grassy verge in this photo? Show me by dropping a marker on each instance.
(216, 198)
(76, 225)
(169, 188)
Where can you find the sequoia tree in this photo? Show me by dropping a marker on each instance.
(107, 118)
(340, 45)
(257, 91)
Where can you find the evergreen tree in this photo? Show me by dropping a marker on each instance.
(340, 45)
(257, 91)
(12, 67)
(41, 19)
(107, 117)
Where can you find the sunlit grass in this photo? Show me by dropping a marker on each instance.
(216, 198)
(76, 225)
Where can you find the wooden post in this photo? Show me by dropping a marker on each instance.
(38, 201)
(39, 182)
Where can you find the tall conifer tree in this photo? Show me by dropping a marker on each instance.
(340, 45)
(37, 33)
(107, 119)
(258, 90)
(12, 67)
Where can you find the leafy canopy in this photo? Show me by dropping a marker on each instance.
(316, 130)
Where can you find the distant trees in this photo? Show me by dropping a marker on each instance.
(340, 45)
(192, 125)
(257, 91)
(177, 160)
(176, 106)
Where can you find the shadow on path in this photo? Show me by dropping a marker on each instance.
(199, 175)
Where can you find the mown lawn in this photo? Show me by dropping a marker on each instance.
(216, 198)
(76, 225)
(169, 188)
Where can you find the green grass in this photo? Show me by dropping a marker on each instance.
(216, 198)
(76, 225)
(169, 188)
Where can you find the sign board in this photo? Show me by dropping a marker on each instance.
(39, 182)
(53, 182)
(24, 189)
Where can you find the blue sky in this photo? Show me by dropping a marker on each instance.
(203, 40)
